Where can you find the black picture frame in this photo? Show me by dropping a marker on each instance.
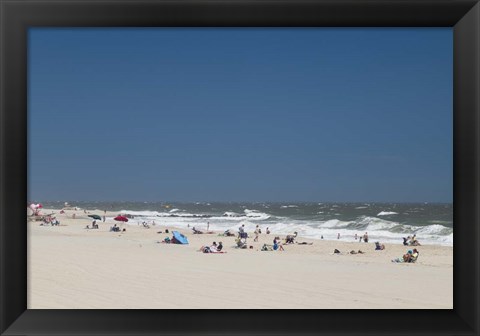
(18, 15)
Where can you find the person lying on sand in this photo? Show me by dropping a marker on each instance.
(336, 251)
(195, 231)
(358, 252)
(227, 233)
(304, 243)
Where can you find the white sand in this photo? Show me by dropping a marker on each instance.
(71, 267)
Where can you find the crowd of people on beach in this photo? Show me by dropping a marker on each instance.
(241, 237)
(50, 220)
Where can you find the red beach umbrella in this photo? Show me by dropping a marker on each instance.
(121, 219)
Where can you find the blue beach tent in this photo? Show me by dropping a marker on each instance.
(179, 238)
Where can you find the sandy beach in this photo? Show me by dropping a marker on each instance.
(71, 267)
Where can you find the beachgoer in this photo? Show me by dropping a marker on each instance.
(356, 236)
(405, 242)
(241, 243)
(277, 245)
(407, 257)
(241, 229)
(227, 233)
(365, 237)
(379, 247)
(195, 231)
(290, 238)
(266, 247)
(414, 255)
(256, 234)
(414, 241)
(208, 226)
(219, 246)
(338, 236)
(268, 231)
(321, 237)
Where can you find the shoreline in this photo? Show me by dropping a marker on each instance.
(178, 222)
(72, 267)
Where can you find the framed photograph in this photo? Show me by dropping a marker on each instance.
(236, 167)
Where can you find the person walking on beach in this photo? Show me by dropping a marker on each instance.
(338, 236)
(208, 226)
(365, 237)
(257, 231)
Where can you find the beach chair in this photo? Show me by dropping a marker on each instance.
(241, 244)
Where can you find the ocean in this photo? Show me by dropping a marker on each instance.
(384, 222)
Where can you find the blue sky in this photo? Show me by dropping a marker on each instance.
(177, 114)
